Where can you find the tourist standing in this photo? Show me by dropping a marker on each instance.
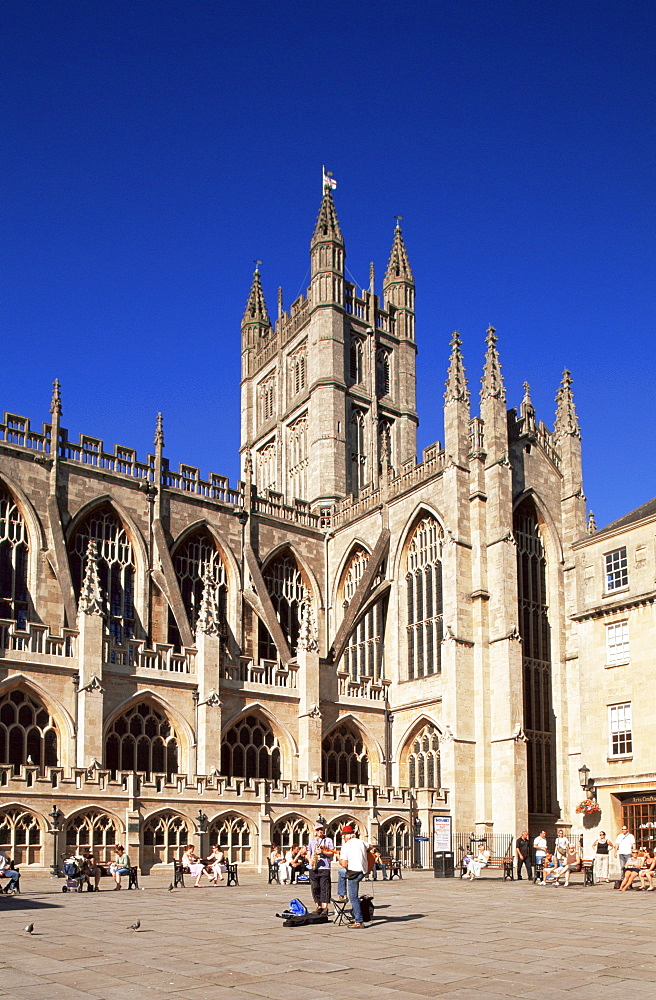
(320, 851)
(624, 844)
(602, 847)
(353, 857)
(523, 852)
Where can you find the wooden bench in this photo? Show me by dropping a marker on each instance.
(180, 870)
(499, 862)
(586, 869)
(274, 872)
(394, 868)
(15, 886)
(133, 877)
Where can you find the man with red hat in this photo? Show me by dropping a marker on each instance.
(353, 859)
(319, 853)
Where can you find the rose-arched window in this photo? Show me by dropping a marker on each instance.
(20, 836)
(424, 623)
(193, 558)
(395, 840)
(28, 733)
(92, 830)
(363, 656)
(344, 757)
(286, 588)
(165, 837)
(334, 829)
(290, 832)
(424, 759)
(142, 739)
(251, 749)
(232, 833)
(13, 562)
(116, 567)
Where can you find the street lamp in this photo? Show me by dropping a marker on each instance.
(55, 816)
(201, 819)
(584, 773)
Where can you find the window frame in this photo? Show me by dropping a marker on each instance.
(613, 658)
(610, 571)
(618, 714)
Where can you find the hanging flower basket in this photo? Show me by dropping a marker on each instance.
(588, 806)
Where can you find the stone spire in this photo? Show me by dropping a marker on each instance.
(566, 419)
(55, 405)
(208, 615)
(492, 381)
(398, 268)
(592, 524)
(456, 383)
(159, 432)
(91, 602)
(307, 637)
(256, 310)
(327, 226)
(527, 411)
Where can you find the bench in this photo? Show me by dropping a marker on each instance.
(16, 885)
(274, 872)
(585, 868)
(180, 870)
(499, 862)
(393, 867)
(231, 871)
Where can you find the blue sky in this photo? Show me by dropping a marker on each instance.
(153, 150)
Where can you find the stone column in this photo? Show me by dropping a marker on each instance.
(208, 644)
(90, 695)
(309, 714)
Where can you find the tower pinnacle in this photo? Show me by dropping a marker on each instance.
(567, 421)
(398, 267)
(327, 226)
(456, 383)
(256, 310)
(492, 381)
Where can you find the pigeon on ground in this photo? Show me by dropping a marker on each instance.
(135, 926)
(171, 887)
(28, 929)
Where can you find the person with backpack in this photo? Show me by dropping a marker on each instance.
(353, 857)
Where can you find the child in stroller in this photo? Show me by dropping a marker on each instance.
(73, 869)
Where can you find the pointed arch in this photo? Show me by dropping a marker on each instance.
(419, 572)
(223, 546)
(63, 720)
(413, 729)
(21, 539)
(307, 572)
(198, 548)
(165, 749)
(364, 648)
(130, 525)
(334, 828)
(234, 834)
(22, 832)
(553, 539)
(251, 746)
(285, 578)
(419, 757)
(353, 546)
(372, 742)
(423, 509)
(94, 828)
(345, 753)
(165, 833)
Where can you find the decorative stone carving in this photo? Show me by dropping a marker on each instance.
(208, 616)
(94, 685)
(212, 700)
(447, 735)
(91, 602)
(307, 639)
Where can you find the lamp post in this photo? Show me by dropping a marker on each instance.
(584, 776)
(201, 821)
(55, 816)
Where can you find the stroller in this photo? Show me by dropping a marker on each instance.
(73, 869)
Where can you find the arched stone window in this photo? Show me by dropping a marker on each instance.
(142, 739)
(358, 451)
(297, 364)
(334, 829)
(344, 757)
(289, 832)
(535, 630)
(94, 831)
(233, 835)
(424, 625)
(193, 557)
(165, 837)
(395, 840)
(116, 567)
(267, 467)
(250, 749)
(297, 461)
(424, 759)
(286, 588)
(364, 654)
(20, 836)
(355, 361)
(27, 730)
(382, 372)
(13, 561)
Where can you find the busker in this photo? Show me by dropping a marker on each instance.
(320, 851)
(353, 857)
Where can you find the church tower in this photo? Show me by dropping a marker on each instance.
(330, 389)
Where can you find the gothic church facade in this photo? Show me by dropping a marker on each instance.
(347, 632)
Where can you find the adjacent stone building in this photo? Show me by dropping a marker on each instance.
(347, 632)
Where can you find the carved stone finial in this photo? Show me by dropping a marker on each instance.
(492, 381)
(456, 383)
(307, 638)
(208, 615)
(256, 310)
(527, 411)
(372, 275)
(327, 222)
(159, 431)
(385, 449)
(398, 267)
(280, 310)
(248, 466)
(91, 601)
(567, 421)
(55, 405)
(592, 524)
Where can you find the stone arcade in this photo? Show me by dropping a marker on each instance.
(347, 632)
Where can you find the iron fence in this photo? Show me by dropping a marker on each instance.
(500, 845)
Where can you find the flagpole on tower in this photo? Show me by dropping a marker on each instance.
(328, 181)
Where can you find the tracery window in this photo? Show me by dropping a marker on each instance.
(382, 372)
(291, 831)
(334, 829)
(424, 759)
(424, 599)
(355, 360)
(28, 732)
(344, 757)
(142, 739)
(92, 831)
(297, 364)
(115, 567)
(251, 749)
(165, 837)
(297, 461)
(233, 835)
(268, 398)
(364, 653)
(286, 588)
(192, 559)
(358, 451)
(267, 467)
(13, 562)
(20, 836)
(395, 840)
(535, 630)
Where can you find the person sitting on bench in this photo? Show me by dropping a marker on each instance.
(120, 865)
(6, 871)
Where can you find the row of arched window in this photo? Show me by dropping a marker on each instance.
(165, 835)
(198, 559)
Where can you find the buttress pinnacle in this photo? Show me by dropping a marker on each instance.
(492, 381)
(256, 310)
(456, 383)
(399, 265)
(567, 421)
(55, 405)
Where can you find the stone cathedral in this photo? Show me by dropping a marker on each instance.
(348, 632)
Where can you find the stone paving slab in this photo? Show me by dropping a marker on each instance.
(489, 940)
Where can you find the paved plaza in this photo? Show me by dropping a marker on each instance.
(485, 940)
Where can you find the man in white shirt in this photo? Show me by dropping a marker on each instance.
(624, 844)
(353, 857)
